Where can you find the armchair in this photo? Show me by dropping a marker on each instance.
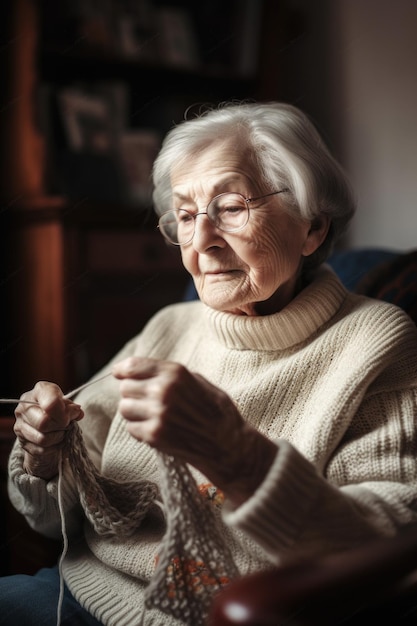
(374, 583)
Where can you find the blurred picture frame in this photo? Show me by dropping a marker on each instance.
(177, 40)
(87, 157)
(87, 122)
(92, 119)
(138, 150)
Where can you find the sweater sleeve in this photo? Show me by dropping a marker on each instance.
(295, 509)
(368, 487)
(351, 474)
(37, 499)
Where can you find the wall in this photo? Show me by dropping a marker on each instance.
(379, 54)
(353, 67)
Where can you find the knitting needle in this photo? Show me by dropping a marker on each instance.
(67, 396)
(16, 400)
(72, 393)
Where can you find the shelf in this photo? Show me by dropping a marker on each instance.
(81, 213)
(59, 65)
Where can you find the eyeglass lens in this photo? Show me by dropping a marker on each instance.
(228, 212)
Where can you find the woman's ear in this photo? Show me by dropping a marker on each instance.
(319, 228)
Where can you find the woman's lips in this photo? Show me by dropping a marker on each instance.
(215, 274)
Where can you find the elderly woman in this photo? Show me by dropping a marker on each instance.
(273, 417)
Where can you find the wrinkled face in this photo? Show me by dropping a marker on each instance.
(250, 272)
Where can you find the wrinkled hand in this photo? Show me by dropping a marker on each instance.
(183, 415)
(41, 429)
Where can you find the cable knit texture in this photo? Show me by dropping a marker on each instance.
(332, 379)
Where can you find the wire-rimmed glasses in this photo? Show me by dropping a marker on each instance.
(229, 212)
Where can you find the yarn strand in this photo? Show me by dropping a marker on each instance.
(65, 543)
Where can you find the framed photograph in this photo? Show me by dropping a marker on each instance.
(87, 122)
(136, 40)
(88, 158)
(177, 41)
(136, 30)
(93, 118)
(138, 150)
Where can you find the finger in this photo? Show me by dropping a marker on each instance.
(139, 409)
(42, 438)
(135, 367)
(32, 418)
(133, 388)
(37, 443)
(142, 432)
(45, 393)
(73, 411)
(43, 421)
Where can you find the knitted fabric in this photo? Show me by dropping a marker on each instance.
(113, 508)
(192, 566)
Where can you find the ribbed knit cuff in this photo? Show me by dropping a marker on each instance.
(277, 513)
(36, 498)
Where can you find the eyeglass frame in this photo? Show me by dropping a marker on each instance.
(194, 215)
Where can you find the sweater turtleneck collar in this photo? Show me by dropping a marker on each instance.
(310, 309)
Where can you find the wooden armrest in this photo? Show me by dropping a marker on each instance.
(379, 578)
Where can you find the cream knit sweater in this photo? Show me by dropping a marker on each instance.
(332, 379)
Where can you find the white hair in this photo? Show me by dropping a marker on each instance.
(286, 151)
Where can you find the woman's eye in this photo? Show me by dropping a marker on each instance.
(232, 209)
(184, 218)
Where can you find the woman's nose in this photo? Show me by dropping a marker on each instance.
(205, 232)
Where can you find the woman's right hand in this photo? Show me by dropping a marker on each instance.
(41, 429)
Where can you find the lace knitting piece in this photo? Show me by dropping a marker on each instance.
(113, 508)
(195, 561)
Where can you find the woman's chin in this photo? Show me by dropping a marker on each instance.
(220, 302)
(223, 294)
(214, 298)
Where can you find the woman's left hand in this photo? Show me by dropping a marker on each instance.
(183, 415)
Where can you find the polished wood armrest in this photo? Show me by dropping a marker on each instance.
(376, 580)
